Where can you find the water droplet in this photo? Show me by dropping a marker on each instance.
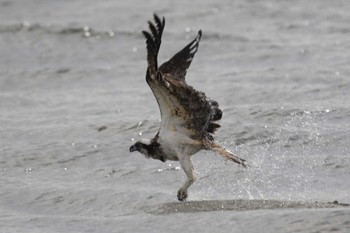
(187, 29)
(73, 143)
(140, 133)
(26, 24)
(87, 34)
(134, 49)
(86, 28)
(327, 110)
(86, 31)
(110, 33)
(337, 73)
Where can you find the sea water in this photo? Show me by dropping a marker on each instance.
(73, 99)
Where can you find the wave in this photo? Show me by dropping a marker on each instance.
(87, 31)
(82, 30)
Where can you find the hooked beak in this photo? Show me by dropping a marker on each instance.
(133, 148)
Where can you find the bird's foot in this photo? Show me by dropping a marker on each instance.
(182, 195)
(244, 163)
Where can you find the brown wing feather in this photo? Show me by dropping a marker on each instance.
(179, 103)
(177, 66)
(202, 111)
(153, 41)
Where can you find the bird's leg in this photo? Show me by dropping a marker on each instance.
(187, 166)
(228, 154)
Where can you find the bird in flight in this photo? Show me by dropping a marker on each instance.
(188, 117)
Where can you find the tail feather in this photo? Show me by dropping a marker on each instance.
(228, 155)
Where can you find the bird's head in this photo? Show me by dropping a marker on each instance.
(142, 146)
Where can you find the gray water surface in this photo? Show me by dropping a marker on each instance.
(73, 98)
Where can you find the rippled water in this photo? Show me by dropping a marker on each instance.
(73, 99)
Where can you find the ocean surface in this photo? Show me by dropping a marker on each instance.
(73, 99)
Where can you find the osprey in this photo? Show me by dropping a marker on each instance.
(188, 117)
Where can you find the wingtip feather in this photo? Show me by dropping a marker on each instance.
(160, 24)
(147, 35)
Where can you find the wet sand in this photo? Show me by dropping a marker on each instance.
(239, 205)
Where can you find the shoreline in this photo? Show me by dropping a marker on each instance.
(238, 205)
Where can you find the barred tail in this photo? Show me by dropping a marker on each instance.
(228, 155)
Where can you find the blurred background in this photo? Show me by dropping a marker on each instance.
(73, 98)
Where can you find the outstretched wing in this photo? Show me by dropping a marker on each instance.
(183, 109)
(153, 41)
(177, 66)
